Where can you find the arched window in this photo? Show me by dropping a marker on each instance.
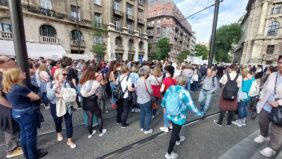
(118, 41)
(141, 45)
(76, 34)
(273, 28)
(47, 30)
(130, 44)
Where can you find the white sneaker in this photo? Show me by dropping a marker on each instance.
(172, 155)
(268, 152)
(260, 139)
(141, 129)
(133, 110)
(93, 132)
(103, 132)
(164, 129)
(148, 131)
(237, 123)
(182, 138)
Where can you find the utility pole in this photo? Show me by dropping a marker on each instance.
(212, 43)
(19, 38)
(77, 27)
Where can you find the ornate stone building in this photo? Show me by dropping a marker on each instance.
(261, 41)
(166, 20)
(71, 25)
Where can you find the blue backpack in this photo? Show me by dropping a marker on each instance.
(173, 102)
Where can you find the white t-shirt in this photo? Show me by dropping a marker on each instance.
(232, 75)
(125, 82)
(155, 80)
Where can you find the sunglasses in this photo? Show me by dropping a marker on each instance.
(64, 74)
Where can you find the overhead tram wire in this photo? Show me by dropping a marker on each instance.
(200, 11)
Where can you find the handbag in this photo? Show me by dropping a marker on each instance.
(276, 113)
(154, 103)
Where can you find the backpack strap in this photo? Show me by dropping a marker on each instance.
(213, 81)
(235, 79)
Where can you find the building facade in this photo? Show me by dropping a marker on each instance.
(261, 41)
(73, 24)
(166, 20)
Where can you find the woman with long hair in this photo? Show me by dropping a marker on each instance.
(44, 78)
(53, 93)
(89, 87)
(21, 99)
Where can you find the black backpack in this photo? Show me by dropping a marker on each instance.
(230, 89)
(118, 93)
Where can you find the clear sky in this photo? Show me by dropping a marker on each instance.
(230, 11)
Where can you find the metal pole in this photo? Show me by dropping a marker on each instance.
(77, 27)
(212, 43)
(19, 38)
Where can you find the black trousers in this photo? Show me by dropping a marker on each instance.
(222, 115)
(90, 120)
(174, 136)
(122, 111)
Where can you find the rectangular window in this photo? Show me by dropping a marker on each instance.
(98, 20)
(117, 24)
(47, 4)
(141, 2)
(116, 5)
(129, 10)
(5, 27)
(130, 28)
(75, 13)
(97, 2)
(270, 49)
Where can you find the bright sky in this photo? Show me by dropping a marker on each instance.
(230, 11)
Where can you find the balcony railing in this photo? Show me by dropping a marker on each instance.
(6, 35)
(150, 26)
(130, 17)
(46, 12)
(76, 43)
(118, 47)
(117, 12)
(49, 40)
(130, 31)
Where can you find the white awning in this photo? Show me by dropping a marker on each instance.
(34, 50)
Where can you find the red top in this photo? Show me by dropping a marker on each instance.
(53, 70)
(168, 81)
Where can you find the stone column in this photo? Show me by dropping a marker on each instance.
(262, 17)
(136, 46)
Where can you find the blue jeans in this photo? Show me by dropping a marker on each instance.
(145, 115)
(188, 84)
(113, 87)
(27, 121)
(242, 109)
(205, 100)
(44, 98)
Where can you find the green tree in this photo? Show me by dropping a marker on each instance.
(99, 47)
(183, 55)
(225, 36)
(202, 50)
(162, 49)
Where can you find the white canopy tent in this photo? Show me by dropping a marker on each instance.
(34, 50)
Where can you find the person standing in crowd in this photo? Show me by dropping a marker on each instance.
(177, 98)
(134, 76)
(220, 70)
(155, 80)
(53, 93)
(144, 91)
(167, 82)
(209, 87)
(195, 79)
(228, 100)
(123, 104)
(264, 78)
(115, 72)
(44, 78)
(7, 123)
(89, 87)
(270, 98)
(188, 73)
(203, 71)
(177, 69)
(21, 99)
(244, 97)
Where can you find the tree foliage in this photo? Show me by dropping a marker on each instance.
(162, 49)
(202, 50)
(225, 36)
(183, 55)
(99, 49)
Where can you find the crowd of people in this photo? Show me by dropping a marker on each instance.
(145, 88)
